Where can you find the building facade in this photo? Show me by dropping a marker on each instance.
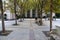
(29, 14)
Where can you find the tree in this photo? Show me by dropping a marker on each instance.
(15, 12)
(1, 7)
(51, 10)
(13, 7)
(41, 12)
(51, 6)
(22, 5)
(25, 5)
(40, 9)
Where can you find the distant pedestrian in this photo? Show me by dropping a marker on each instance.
(5, 16)
(35, 20)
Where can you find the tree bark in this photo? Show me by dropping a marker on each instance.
(41, 14)
(51, 8)
(3, 26)
(15, 12)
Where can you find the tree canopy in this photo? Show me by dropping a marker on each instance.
(33, 4)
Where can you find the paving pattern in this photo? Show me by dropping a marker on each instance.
(26, 30)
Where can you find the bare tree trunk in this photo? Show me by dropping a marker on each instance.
(41, 14)
(51, 8)
(15, 12)
(3, 26)
(41, 18)
(21, 13)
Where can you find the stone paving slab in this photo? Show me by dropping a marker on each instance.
(24, 31)
(31, 35)
(19, 34)
(39, 35)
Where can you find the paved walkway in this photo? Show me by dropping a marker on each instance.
(26, 30)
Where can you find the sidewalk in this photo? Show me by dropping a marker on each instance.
(27, 30)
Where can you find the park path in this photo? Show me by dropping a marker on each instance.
(27, 30)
